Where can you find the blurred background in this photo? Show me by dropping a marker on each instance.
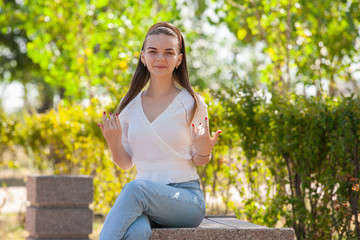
(280, 77)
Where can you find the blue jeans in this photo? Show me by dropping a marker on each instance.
(143, 204)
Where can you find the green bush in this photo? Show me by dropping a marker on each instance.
(300, 157)
(68, 141)
(8, 138)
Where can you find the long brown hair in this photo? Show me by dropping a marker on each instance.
(142, 75)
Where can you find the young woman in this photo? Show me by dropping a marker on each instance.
(164, 132)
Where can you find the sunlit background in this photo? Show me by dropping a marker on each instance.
(280, 77)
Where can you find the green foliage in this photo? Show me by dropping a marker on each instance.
(75, 49)
(8, 139)
(299, 160)
(67, 140)
(80, 45)
(313, 43)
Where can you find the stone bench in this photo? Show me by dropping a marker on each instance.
(59, 209)
(224, 228)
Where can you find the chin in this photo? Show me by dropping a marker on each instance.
(161, 74)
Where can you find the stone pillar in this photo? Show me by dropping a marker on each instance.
(59, 207)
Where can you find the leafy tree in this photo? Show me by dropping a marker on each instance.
(15, 64)
(312, 43)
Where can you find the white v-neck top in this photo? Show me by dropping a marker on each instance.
(162, 149)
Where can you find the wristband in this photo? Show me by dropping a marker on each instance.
(203, 155)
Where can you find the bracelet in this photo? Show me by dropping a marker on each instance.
(204, 155)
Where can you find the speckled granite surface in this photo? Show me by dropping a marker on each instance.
(59, 207)
(224, 228)
(223, 234)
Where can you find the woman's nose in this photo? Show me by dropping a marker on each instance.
(160, 57)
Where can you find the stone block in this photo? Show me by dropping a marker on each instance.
(59, 207)
(59, 190)
(57, 221)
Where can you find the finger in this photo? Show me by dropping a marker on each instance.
(101, 126)
(105, 121)
(216, 135)
(200, 129)
(112, 123)
(206, 126)
(117, 120)
(193, 132)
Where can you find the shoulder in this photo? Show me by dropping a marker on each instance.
(188, 101)
(128, 107)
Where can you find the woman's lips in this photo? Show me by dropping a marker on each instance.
(160, 67)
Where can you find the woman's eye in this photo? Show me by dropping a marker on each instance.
(170, 53)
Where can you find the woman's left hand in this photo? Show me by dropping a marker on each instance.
(200, 136)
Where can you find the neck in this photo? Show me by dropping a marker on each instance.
(161, 86)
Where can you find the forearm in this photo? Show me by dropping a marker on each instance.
(199, 161)
(120, 157)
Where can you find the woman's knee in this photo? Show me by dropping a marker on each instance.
(136, 185)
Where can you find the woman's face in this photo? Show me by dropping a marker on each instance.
(161, 55)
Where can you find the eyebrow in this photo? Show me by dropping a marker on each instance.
(165, 49)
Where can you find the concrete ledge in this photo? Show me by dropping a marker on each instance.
(224, 228)
(59, 190)
(58, 221)
(223, 234)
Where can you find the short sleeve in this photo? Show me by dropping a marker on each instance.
(199, 118)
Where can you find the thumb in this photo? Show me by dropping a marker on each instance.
(216, 135)
(101, 126)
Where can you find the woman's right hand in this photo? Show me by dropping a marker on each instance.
(111, 129)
